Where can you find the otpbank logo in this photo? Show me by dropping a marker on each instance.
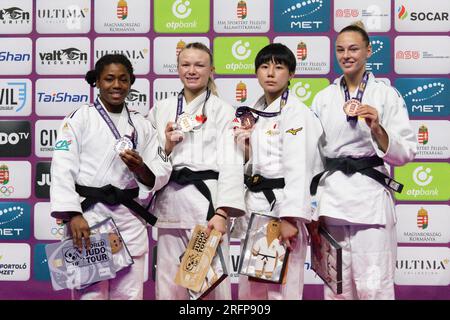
(14, 221)
(379, 62)
(306, 88)
(424, 181)
(425, 96)
(181, 16)
(236, 55)
(302, 16)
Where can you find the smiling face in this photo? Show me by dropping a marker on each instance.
(194, 69)
(114, 84)
(273, 78)
(352, 53)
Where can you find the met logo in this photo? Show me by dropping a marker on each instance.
(425, 96)
(14, 221)
(302, 16)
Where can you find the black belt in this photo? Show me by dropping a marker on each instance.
(113, 196)
(186, 176)
(258, 183)
(350, 166)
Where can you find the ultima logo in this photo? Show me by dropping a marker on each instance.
(14, 96)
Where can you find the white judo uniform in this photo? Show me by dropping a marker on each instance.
(284, 146)
(180, 208)
(357, 210)
(88, 158)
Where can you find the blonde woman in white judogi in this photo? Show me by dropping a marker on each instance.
(209, 147)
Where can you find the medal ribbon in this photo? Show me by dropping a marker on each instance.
(110, 123)
(359, 94)
(180, 103)
(244, 109)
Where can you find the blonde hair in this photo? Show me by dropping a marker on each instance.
(200, 46)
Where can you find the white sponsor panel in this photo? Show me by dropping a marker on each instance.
(166, 50)
(166, 88)
(250, 16)
(422, 16)
(239, 91)
(15, 97)
(59, 97)
(423, 223)
(422, 55)
(312, 53)
(235, 254)
(375, 14)
(63, 56)
(16, 16)
(419, 266)
(16, 56)
(432, 139)
(45, 226)
(15, 180)
(63, 16)
(46, 137)
(310, 276)
(14, 262)
(138, 98)
(137, 49)
(131, 16)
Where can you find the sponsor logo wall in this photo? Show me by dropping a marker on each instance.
(47, 46)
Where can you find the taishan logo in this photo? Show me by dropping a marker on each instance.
(122, 10)
(422, 219)
(241, 10)
(241, 92)
(422, 136)
(402, 13)
(302, 51)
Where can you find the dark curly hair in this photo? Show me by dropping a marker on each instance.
(93, 75)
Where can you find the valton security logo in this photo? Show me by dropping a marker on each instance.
(424, 181)
(14, 221)
(302, 16)
(428, 97)
(379, 62)
(236, 55)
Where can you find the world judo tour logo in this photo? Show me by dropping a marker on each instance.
(305, 16)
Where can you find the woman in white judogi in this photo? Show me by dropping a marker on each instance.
(201, 144)
(281, 144)
(355, 208)
(88, 154)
